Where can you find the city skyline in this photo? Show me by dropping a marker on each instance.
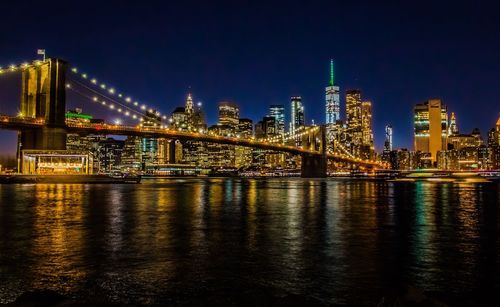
(258, 77)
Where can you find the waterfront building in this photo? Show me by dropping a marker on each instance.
(485, 158)
(297, 118)
(229, 114)
(466, 158)
(430, 127)
(109, 154)
(243, 155)
(266, 129)
(495, 157)
(460, 141)
(221, 155)
(332, 98)
(131, 153)
(194, 152)
(494, 135)
(404, 159)
(151, 152)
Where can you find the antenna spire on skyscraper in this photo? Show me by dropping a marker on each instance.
(332, 76)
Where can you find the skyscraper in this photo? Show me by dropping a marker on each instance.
(229, 114)
(149, 145)
(388, 138)
(354, 116)
(297, 119)
(332, 99)
(431, 127)
(189, 104)
(278, 112)
(366, 124)
(453, 129)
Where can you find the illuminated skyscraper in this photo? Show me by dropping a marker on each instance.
(354, 116)
(189, 104)
(431, 127)
(388, 138)
(453, 129)
(366, 124)
(332, 99)
(278, 112)
(149, 145)
(229, 114)
(297, 119)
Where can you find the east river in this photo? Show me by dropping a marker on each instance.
(183, 241)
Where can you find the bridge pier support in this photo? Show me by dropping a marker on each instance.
(313, 166)
(44, 98)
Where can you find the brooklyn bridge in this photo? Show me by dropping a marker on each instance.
(42, 124)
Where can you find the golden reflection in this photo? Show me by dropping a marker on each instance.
(115, 202)
(468, 211)
(58, 241)
(424, 246)
(251, 209)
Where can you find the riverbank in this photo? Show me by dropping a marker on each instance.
(67, 179)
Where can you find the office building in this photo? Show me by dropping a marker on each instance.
(243, 158)
(278, 112)
(354, 116)
(332, 97)
(366, 123)
(430, 127)
(110, 154)
(297, 118)
(229, 114)
(388, 138)
(221, 155)
(453, 128)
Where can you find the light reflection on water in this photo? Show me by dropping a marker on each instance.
(340, 241)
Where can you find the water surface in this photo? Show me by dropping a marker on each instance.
(178, 240)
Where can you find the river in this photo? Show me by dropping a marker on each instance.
(183, 240)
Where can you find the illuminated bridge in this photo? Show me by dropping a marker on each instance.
(43, 125)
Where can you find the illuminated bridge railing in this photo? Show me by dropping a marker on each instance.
(18, 123)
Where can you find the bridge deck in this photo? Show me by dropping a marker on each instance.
(15, 123)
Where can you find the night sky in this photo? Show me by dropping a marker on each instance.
(257, 54)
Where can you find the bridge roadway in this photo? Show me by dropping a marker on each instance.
(16, 123)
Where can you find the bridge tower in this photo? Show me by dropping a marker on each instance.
(44, 98)
(314, 166)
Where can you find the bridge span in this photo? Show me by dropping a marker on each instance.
(17, 123)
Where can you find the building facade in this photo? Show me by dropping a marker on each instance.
(278, 112)
(332, 97)
(297, 118)
(430, 127)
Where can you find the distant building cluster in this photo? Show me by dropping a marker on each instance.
(439, 144)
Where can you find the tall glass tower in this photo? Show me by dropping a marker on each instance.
(297, 119)
(332, 99)
(278, 112)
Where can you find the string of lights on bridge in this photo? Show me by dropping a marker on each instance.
(114, 92)
(109, 103)
(17, 67)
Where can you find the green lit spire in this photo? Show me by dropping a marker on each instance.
(332, 76)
